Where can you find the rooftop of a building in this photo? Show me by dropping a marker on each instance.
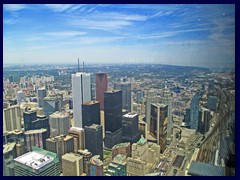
(51, 98)
(178, 161)
(130, 115)
(110, 92)
(84, 152)
(35, 131)
(120, 159)
(57, 138)
(81, 73)
(90, 102)
(121, 145)
(58, 114)
(204, 169)
(76, 129)
(8, 147)
(94, 126)
(72, 157)
(96, 161)
(159, 105)
(34, 160)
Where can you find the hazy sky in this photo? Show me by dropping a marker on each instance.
(196, 35)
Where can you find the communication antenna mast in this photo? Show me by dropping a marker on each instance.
(78, 66)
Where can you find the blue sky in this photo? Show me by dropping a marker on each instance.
(194, 35)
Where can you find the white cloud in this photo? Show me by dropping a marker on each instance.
(58, 7)
(14, 7)
(65, 34)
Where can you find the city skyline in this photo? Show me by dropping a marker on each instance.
(188, 35)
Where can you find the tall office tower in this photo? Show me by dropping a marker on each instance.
(59, 123)
(60, 145)
(113, 118)
(142, 126)
(187, 117)
(211, 84)
(12, 118)
(122, 148)
(20, 96)
(204, 120)
(93, 87)
(79, 138)
(72, 164)
(96, 166)
(10, 79)
(35, 138)
(194, 111)
(212, 102)
(39, 162)
(101, 87)
(81, 92)
(125, 87)
(149, 101)
(130, 132)
(158, 124)
(41, 93)
(90, 113)
(9, 153)
(33, 122)
(94, 139)
(51, 104)
(167, 99)
(118, 166)
(86, 160)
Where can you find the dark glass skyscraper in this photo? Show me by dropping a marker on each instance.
(113, 110)
(130, 132)
(101, 87)
(91, 113)
(194, 110)
(41, 93)
(113, 118)
(94, 139)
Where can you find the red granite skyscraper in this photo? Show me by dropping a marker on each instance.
(101, 87)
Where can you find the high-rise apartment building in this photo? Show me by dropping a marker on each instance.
(12, 118)
(130, 132)
(72, 164)
(113, 118)
(90, 113)
(125, 87)
(38, 162)
(194, 110)
(94, 139)
(101, 87)
(41, 93)
(79, 138)
(96, 166)
(204, 120)
(158, 124)
(81, 92)
(35, 138)
(167, 99)
(59, 123)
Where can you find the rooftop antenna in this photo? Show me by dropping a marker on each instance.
(78, 66)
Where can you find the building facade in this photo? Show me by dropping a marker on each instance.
(125, 87)
(79, 138)
(12, 118)
(72, 164)
(94, 139)
(101, 87)
(81, 92)
(90, 113)
(59, 123)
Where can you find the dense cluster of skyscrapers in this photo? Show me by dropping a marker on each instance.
(73, 135)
